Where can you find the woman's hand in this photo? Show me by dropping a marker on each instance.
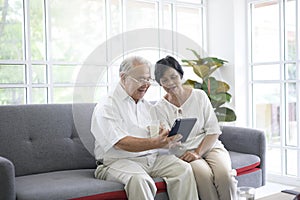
(190, 156)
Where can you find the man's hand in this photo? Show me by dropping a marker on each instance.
(190, 156)
(163, 141)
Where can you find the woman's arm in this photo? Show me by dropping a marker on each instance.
(206, 144)
(204, 147)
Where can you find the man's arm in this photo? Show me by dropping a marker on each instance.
(134, 144)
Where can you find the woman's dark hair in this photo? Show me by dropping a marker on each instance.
(163, 64)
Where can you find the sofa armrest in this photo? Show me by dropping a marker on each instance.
(7, 179)
(246, 140)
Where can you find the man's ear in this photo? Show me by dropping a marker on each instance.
(122, 77)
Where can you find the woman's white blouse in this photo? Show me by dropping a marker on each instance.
(198, 106)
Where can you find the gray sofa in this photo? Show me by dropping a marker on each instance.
(46, 153)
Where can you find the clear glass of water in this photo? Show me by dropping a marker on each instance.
(246, 193)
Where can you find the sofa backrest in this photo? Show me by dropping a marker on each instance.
(43, 138)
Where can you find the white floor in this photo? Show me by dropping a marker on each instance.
(271, 188)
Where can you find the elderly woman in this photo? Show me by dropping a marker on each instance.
(202, 149)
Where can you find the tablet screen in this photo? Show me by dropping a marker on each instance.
(183, 126)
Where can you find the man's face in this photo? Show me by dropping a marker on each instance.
(135, 83)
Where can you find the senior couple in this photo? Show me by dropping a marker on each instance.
(130, 156)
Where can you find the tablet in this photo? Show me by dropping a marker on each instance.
(183, 126)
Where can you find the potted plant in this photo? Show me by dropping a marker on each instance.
(216, 90)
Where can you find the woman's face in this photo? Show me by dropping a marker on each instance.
(171, 81)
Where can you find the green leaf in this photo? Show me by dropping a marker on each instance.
(193, 84)
(195, 53)
(219, 99)
(225, 114)
(222, 87)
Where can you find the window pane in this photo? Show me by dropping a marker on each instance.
(290, 72)
(12, 96)
(189, 23)
(83, 94)
(265, 32)
(167, 17)
(145, 12)
(273, 160)
(115, 17)
(266, 105)
(39, 74)
(89, 94)
(12, 74)
(291, 162)
(37, 36)
(81, 75)
(39, 95)
(11, 30)
(77, 28)
(63, 95)
(64, 74)
(291, 120)
(266, 72)
(290, 30)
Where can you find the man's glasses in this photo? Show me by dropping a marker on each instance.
(143, 81)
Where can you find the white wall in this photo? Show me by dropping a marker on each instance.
(227, 40)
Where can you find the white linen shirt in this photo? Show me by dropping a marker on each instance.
(115, 118)
(198, 106)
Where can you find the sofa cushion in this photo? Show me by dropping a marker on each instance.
(71, 184)
(244, 163)
(44, 138)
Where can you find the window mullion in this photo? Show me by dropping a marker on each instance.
(27, 51)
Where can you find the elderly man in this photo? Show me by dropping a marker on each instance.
(129, 155)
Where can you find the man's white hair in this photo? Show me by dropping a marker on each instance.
(131, 62)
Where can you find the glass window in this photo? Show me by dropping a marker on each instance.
(265, 32)
(290, 71)
(266, 106)
(291, 116)
(141, 10)
(290, 29)
(11, 30)
(39, 74)
(266, 72)
(63, 94)
(167, 16)
(45, 45)
(191, 28)
(39, 95)
(12, 74)
(64, 74)
(12, 96)
(76, 28)
(37, 30)
(291, 162)
(273, 155)
(275, 81)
